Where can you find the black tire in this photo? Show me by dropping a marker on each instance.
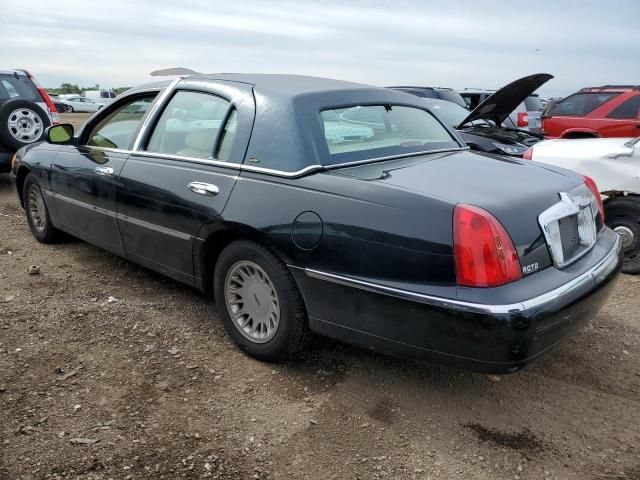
(70, 109)
(292, 332)
(40, 223)
(624, 213)
(40, 120)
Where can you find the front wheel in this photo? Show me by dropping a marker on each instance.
(623, 217)
(259, 303)
(37, 212)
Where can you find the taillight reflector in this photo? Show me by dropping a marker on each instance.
(484, 253)
(523, 119)
(588, 181)
(528, 154)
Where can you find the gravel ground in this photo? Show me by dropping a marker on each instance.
(108, 370)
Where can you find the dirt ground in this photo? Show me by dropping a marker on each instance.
(109, 371)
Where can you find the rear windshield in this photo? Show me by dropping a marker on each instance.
(452, 96)
(18, 87)
(374, 131)
(533, 104)
(580, 104)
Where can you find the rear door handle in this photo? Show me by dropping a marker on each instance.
(203, 188)
(104, 171)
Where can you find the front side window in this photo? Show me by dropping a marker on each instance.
(191, 124)
(628, 110)
(117, 128)
(580, 104)
(368, 132)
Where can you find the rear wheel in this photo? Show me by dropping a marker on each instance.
(259, 302)
(37, 212)
(623, 216)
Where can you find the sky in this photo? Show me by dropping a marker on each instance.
(458, 44)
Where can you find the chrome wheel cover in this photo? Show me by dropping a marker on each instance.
(25, 125)
(626, 235)
(252, 301)
(36, 209)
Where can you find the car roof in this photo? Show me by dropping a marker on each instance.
(12, 72)
(610, 88)
(280, 85)
(423, 88)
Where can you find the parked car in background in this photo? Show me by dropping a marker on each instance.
(607, 111)
(76, 103)
(26, 110)
(489, 128)
(100, 96)
(442, 93)
(395, 236)
(614, 165)
(526, 115)
(60, 107)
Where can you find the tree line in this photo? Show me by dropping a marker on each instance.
(72, 88)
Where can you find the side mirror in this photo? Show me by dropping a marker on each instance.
(60, 134)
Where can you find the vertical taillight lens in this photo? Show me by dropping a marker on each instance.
(523, 119)
(588, 181)
(484, 253)
(528, 154)
(55, 119)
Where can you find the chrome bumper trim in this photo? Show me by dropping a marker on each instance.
(594, 275)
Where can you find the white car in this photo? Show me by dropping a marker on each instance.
(76, 103)
(614, 165)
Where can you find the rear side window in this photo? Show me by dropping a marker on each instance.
(117, 129)
(20, 87)
(374, 131)
(533, 104)
(191, 124)
(628, 109)
(580, 104)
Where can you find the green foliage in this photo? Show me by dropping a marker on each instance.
(68, 88)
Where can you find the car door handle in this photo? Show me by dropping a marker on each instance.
(105, 171)
(203, 188)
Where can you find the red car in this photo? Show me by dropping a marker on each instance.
(608, 111)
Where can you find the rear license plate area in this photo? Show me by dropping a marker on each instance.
(569, 235)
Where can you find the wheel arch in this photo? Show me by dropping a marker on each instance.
(579, 133)
(21, 176)
(212, 239)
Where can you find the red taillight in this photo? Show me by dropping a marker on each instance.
(46, 98)
(588, 181)
(484, 253)
(528, 154)
(523, 119)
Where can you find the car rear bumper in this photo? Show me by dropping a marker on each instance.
(489, 338)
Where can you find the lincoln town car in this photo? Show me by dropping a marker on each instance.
(308, 205)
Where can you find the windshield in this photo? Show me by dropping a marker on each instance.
(450, 113)
(452, 96)
(368, 132)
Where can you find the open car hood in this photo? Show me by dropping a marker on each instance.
(499, 105)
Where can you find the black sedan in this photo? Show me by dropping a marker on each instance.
(307, 204)
(488, 128)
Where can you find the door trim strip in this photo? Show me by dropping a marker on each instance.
(119, 216)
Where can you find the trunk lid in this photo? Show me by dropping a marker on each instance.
(513, 191)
